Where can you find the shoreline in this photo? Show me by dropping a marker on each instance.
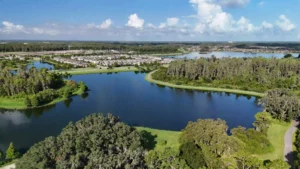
(53, 102)
(148, 78)
(83, 71)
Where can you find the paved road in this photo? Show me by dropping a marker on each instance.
(12, 166)
(288, 143)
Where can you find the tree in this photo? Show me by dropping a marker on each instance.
(212, 133)
(1, 155)
(246, 160)
(288, 56)
(262, 122)
(34, 101)
(281, 104)
(11, 152)
(165, 159)
(96, 141)
(27, 102)
(278, 164)
(189, 152)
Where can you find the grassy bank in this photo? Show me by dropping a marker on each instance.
(19, 103)
(79, 71)
(276, 134)
(203, 88)
(171, 138)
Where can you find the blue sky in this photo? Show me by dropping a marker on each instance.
(150, 20)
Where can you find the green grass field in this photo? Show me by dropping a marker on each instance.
(203, 88)
(79, 71)
(276, 134)
(171, 137)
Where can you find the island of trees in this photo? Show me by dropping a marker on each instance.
(33, 88)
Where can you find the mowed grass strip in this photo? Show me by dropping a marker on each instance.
(276, 134)
(203, 88)
(171, 138)
(79, 71)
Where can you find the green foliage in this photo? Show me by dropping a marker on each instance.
(193, 155)
(27, 102)
(278, 164)
(211, 133)
(255, 141)
(254, 74)
(165, 159)
(281, 104)
(1, 154)
(96, 141)
(34, 101)
(262, 122)
(297, 153)
(11, 152)
(288, 56)
(245, 160)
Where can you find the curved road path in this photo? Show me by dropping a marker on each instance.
(288, 143)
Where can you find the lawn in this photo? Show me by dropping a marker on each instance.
(276, 134)
(78, 71)
(250, 93)
(171, 138)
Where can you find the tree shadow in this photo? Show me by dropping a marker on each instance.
(290, 158)
(148, 140)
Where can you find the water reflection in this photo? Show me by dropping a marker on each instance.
(134, 100)
(12, 118)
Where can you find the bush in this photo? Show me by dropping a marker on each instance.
(162, 142)
(34, 101)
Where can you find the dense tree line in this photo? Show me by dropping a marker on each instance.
(282, 104)
(27, 82)
(58, 46)
(37, 87)
(96, 141)
(256, 74)
(99, 141)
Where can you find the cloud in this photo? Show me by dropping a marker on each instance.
(285, 24)
(51, 32)
(9, 27)
(234, 3)
(267, 25)
(150, 25)
(162, 25)
(106, 24)
(135, 22)
(261, 4)
(172, 21)
(244, 25)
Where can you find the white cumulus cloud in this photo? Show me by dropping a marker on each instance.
(267, 25)
(172, 21)
(106, 24)
(285, 24)
(9, 27)
(51, 32)
(134, 21)
(234, 3)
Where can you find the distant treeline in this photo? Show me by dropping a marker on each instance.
(255, 74)
(58, 46)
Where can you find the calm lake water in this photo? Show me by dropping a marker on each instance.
(231, 54)
(136, 101)
(40, 65)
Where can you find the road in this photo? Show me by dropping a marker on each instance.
(288, 143)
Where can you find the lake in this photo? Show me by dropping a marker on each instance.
(136, 101)
(194, 55)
